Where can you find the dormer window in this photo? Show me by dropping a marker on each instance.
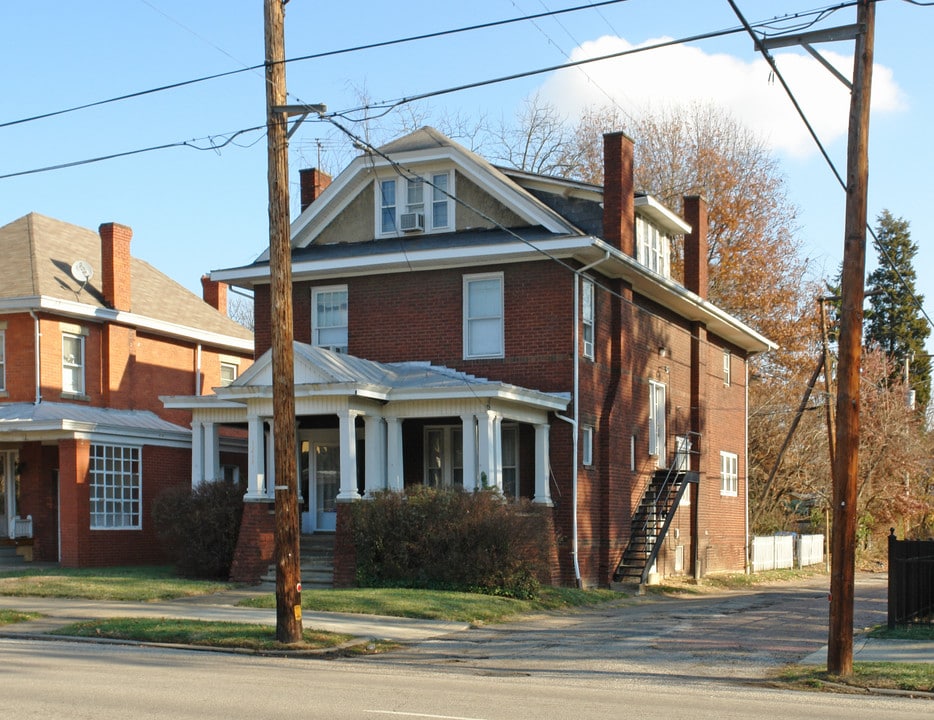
(426, 207)
(652, 247)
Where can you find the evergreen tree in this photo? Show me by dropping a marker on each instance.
(894, 321)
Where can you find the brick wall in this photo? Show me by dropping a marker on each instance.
(256, 543)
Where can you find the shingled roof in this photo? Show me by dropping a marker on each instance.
(38, 253)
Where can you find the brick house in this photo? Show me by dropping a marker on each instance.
(459, 324)
(89, 338)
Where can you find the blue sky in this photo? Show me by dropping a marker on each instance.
(197, 210)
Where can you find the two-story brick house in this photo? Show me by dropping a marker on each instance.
(459, 324)
(89, 338)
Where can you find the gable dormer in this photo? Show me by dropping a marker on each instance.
(416, 203)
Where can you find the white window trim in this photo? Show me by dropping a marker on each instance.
(729, 474)
(3, 357)
(401, 205)
(451, 436)
(121, 507)
(315, 292)
(236, 372)
(79, 364)
(588, 314)
(586, 445)
(510, 429)
(468, 279)
(653, 247)
(727, 360)
(657, 426)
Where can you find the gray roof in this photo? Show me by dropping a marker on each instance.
(38, 252)
(45, 416)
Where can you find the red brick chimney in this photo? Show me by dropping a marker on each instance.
(115, 264)
(695, 246)
(214, 293)
(618, 195)
(313, 182)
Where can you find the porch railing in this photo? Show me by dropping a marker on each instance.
(22, 527)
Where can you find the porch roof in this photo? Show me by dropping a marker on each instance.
(322, 372)
(52, 421)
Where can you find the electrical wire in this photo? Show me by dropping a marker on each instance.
(302, 58)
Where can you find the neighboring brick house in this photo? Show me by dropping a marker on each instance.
(89, 339)
(459, 324)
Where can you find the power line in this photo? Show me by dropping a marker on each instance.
(314, 56)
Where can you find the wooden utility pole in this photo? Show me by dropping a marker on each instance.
(288, 561)
(846, 465)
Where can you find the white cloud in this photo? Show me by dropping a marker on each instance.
(685, 73)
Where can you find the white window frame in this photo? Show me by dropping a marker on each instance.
(586, 445)
(727, 360)
(73, 369)
(429, 194)
(729, 474)
(116, 487)
(495, 319)
(231, 366)
(317, 328)
(653, 247)
(587, 316)
(657, 428)
(446, 470)
(509, 433)
(3, 358)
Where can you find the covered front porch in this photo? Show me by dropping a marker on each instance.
(362, 427)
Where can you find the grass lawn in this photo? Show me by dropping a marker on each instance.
(140, 584)
(438, 604)
(8, 617)
(196, 632)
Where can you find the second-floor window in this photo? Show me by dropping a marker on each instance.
(2, 360)
(729, 473)
(587, 315)
(652, 247)
(483, 316)
(726, 367)
(229, 373)
(415, 204)
(329, 317)
(73, 364)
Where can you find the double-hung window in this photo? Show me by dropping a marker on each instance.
(483, 316)
(587, 316)
(229, 372)
(726, 367)
(418, 204)
(729, 473)
(116, 487)
(329, 317)
(72, 363)
(2, 360)
(652, 247)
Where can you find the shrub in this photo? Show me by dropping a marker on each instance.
(198, 527)
(451, 539)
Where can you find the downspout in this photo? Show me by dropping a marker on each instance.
(575, 421)
(38, 370)
(746, 467)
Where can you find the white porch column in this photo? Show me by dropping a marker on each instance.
(348, 429)
(394, 476)
(486, 448)
(469, 435)
(197, 453)
(212, 453)
(256, 471)
(497, 477)
(542, 466)
(374, 442)
(270, 464)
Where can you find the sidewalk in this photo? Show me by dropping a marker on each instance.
(220, 607)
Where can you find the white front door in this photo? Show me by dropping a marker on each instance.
(320, 473)
(657, 422)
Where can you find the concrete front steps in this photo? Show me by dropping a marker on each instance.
(317, 553)
(13, 555)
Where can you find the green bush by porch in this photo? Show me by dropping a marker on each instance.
(451, 540)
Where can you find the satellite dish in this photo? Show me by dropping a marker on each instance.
(82, 271)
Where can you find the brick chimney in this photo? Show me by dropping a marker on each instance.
(214, 293)
(115, 264)
(313, 182)
(695, 246)
(618, 194)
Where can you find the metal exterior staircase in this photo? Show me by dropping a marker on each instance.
(651, 521)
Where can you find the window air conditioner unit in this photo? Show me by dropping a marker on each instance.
(412, 222)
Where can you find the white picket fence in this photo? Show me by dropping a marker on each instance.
(775, 552)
